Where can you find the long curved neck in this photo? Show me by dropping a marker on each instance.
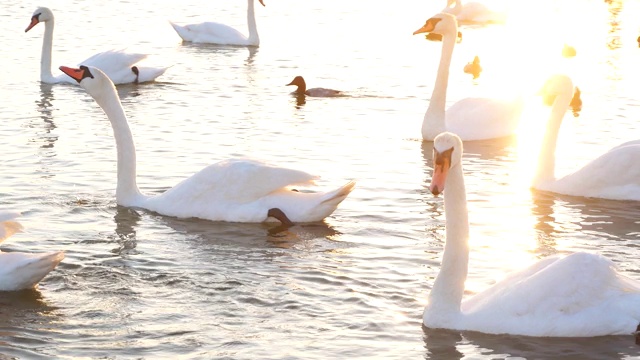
(251, 21)
(446, 295)
(434, 119)
(47, 47)
(127, 192)
(547, 157)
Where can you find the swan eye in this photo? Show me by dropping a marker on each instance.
(85, 72)
(441, 158)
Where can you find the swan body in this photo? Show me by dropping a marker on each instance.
(119, 65)
(613, 175)
(217, 33)
(231, 190)
(577, 295)
(473, 13)
(470, 118)
(18, 270)
(301, 89)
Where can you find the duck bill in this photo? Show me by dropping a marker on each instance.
(76, 74)
(34, 22)
(439, 177)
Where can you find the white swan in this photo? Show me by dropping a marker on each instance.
(20, 271)
(613, 175)
(232, 190)
(470, 118)
(217, 33)
(119, 65)
(572, 296)
(473, 13)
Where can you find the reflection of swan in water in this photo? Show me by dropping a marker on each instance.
(614, 219)
(450, 344)
(247, 234)
(126, 220)
(45, 108)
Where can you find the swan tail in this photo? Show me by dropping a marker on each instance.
(8, 226)
(329, 203)
(182, 31)
(150, 73)
(29, 269)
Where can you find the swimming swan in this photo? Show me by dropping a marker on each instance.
(613, 175)
(231, 190)
(119, 65)
(19, 270)
(577, 295)
(217, 33)
(473, 13)
(470, 118)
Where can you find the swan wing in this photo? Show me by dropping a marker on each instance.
(8, 226)
(112, 61)
(483, 118)
(613, 175)
(23, 270)
(210, 32)
(554, 285)
(237, 181)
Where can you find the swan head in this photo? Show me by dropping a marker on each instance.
(42, 14)
(554, 86)
(447, 152)
(92, 79)
(440, 24)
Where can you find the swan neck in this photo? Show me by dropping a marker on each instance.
(47, 49)
(448, 287)
(434, 119)
(127, 192)
(251, 21)
(547, 158)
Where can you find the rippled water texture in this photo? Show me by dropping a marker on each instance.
(135, 284)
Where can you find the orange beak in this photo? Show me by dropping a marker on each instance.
(34, 22)
(442, 162)
(76, 74)
(428, 27)
(262, 3)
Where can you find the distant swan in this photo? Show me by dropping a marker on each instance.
(18, 270)
(473, 13)
(231, 190)
(119, 65)
(613, 175)
(301, 89)
(470, 118)
(578, 295)
(217, 33)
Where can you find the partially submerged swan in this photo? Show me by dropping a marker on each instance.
(217, 33)
(122, 67)
(231, 190)
(577, 295)
(613, 175)
(469, 118)
(20, 270)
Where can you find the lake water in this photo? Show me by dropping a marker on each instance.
(136, 284)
